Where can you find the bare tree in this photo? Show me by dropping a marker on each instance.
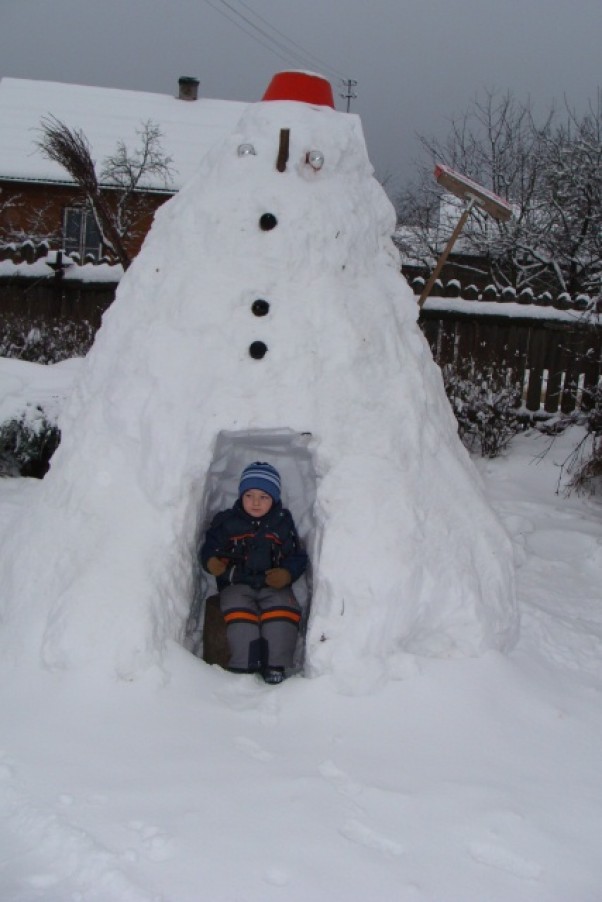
(130, 172)
(6, 205)
(116, 198)
(31, 224)
(9, 233)
(573, 198)
(551, 174)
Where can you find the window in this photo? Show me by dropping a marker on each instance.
(80, 233)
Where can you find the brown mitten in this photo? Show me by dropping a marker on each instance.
(277, 578)
(215, 566)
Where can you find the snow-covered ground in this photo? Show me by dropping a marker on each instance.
(457, 781)
(425, 755)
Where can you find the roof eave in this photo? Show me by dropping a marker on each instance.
(65, 183)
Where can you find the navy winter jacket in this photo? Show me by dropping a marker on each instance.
(253, 546)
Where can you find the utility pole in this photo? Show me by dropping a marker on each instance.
(350, 95)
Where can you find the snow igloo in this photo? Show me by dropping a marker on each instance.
(264, 318)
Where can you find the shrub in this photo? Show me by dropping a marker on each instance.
(45, 342)
(584, 463)
(26, 445)
(587, 475)
(487, 406)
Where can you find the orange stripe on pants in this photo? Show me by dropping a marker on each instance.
(241, 615)
(280, 615)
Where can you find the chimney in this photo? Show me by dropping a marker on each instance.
(189, 87)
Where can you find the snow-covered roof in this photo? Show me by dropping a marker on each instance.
(106, 116)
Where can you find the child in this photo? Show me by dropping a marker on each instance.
(254, 552)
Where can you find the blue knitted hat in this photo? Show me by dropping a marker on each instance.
(260, 476)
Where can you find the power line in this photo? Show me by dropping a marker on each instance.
(308, 55)
(262, 31)
(223, 13)
(290, 49)
(275, 46)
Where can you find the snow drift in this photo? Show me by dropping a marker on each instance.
(406, 554)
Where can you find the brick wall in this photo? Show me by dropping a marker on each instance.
(39, 208)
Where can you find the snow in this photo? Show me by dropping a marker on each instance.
(170, 371)
(106, 116)
(460, 779)
(422, 744)
(87, 272)
(469, 190)
(511, 310)
(31, 386)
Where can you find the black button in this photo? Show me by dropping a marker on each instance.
(260, 307)
(257, 350)
(267, 222)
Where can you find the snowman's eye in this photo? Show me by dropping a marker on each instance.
(315, 158)
(246, 150)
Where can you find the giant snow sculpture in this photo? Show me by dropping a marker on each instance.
(266, 304)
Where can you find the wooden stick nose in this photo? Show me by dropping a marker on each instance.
(283, 149)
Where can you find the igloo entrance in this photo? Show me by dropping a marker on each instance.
(290, 453)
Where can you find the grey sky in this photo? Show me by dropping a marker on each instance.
(417, 62)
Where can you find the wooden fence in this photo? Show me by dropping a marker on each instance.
(48, 319)
(554, 356)
(47, 301)
(557, 364)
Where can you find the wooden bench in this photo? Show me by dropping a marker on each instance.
(215, 643)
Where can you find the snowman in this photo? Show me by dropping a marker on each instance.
(265, 319)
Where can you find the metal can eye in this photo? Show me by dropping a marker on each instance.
(246, 150)
(315, 158)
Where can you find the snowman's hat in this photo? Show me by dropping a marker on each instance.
(302, 86)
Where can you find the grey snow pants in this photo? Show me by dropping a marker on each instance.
(261, 626)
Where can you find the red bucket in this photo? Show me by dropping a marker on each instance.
(302, 86)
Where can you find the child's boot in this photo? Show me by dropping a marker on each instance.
(273, 675)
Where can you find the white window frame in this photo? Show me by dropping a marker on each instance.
(88, 241)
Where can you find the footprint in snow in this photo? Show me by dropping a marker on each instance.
(497, 856)
(253, 749)
(359, 833)
(155, 844)
(269, 709)
(340, 780)
(247, 692)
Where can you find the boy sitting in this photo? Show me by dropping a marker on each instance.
(254, 552)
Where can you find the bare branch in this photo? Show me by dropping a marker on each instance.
(126, 173)
(552, 174)
(71, 150)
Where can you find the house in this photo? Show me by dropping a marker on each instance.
(420, 247)
(38, 197)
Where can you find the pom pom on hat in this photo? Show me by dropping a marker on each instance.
(260, 476)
